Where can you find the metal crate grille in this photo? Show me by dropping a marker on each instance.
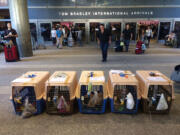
(19, 96)
(119, 97)
(88, 102)
(54, 96)
(154, 95)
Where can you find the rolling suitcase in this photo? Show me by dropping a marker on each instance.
(119, 49)
(10, 53)
(119, 46)
(138, 51)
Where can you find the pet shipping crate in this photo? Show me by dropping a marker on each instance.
(60, 92)
(123, 91)
(28, 91)
(156, 91)
(91, 92)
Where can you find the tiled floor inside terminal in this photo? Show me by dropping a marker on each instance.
(52, 59)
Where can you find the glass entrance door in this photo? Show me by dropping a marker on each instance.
(94, 29)
(80, 27)
(33, 30)
(177, 31)
(44, 32)
(177, 26)
(164, 30)
(115, 28)
(133, 29)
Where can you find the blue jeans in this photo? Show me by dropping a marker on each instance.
(126, 42)
(104, 49)
(79, 41)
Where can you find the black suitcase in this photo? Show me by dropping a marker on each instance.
(119, 49)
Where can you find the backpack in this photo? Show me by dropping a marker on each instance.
(143, 47)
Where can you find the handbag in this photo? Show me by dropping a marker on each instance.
(143, 47)
(121, 43)
(146, 41)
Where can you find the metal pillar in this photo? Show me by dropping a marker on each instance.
(20, 22)
(87, 31)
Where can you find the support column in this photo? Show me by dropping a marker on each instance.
(20, 22)
(87, 31)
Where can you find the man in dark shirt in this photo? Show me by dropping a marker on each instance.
(127, 34)
(11, 34)
(104, 40)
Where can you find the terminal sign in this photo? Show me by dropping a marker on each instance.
(102, 13)
(132, 13)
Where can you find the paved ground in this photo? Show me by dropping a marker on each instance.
(157, 57)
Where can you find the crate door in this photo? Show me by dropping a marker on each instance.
(22, 96)
(119, 102)
(92, 98)
(58, 100)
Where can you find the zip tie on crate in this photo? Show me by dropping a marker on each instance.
(125, 75)
(30, 76)
(91, 74)
(61, 75)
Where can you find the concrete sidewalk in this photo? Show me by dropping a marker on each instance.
(52, 59)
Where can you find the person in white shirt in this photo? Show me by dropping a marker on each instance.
(63, 30)
(148, 35)
(79, 36)
(53, 36)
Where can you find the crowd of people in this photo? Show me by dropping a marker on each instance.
(60, 35)
(66, 36)
(106, 36)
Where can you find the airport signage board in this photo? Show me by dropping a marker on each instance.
(102, 13)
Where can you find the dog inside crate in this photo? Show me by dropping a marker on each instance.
(24, 101)
(58, 99)
(124, 98)
(92, 97)
(159, 98)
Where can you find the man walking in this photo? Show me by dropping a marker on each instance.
(149, 35)
(53, 36)
(11, 35)
(127, 34)
(79, 36)
(59, 36)
(104, 40)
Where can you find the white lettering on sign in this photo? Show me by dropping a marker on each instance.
(106, 13)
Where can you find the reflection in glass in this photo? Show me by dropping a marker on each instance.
(133, 29)
(94, 29)
(61, 2)
(164, 30)
(46, 31)
(3, 3)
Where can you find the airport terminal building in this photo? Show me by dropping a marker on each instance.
(162, 15)
(116, 79)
